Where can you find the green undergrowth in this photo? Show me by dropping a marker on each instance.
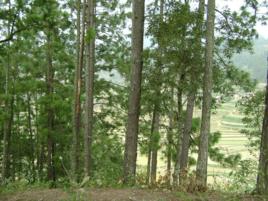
(218, 196)
(81, 194)
(22, 186)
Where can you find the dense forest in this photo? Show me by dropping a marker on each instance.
(97, 93)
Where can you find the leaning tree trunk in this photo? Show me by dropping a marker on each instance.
(131, 139)
(90, 67)
(262, 179)
(201, 169)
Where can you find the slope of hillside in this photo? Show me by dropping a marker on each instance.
(255, 63)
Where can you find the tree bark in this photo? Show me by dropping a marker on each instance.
(77, 90)
(90, 67)
(201, 169)
(169, 146)
(178, 145)
(149, 161)
(170, 137)
(41, 161)
(31, 134)
(7, 140)
(130, 155)
(186, 138)
(191, 97)
(9, 117)
(50, 111)
(6, 137)
(40, 148)
(262, 178)
(155, 144)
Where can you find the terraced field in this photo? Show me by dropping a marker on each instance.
(228, 121)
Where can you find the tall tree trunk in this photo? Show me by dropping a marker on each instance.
(77, 92)
(181, 82)
(191, 96)
(40, 152)
(186, 138)
(135, 91)
(169, 145)
(149, 157)
(7, 140)
(41, 161)
(201, 169)
(155, 144)
(90, 65)
(149, 161)
(170, 137)
(77, 103)
(13, 169)
(31, 134)
(262, 178)
(178, 145)
(156, 116)
(153, 148)
(9, 117)
(50, 111)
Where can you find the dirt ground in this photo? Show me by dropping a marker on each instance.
(120, 195)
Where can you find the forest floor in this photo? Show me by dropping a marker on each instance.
(109, 194)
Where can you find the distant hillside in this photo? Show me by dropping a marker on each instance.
(256, 63)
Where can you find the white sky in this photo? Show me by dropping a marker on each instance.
(235, 5)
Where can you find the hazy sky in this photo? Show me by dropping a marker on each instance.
(235, 5)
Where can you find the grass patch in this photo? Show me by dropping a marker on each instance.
(232, 119)
(21, 186)
(232, 125)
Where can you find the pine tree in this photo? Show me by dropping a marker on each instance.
(9, 105)
(78, 86)
(262, 178)
(131, 139)
(187, 126)
(201, 169)
(90, 68)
